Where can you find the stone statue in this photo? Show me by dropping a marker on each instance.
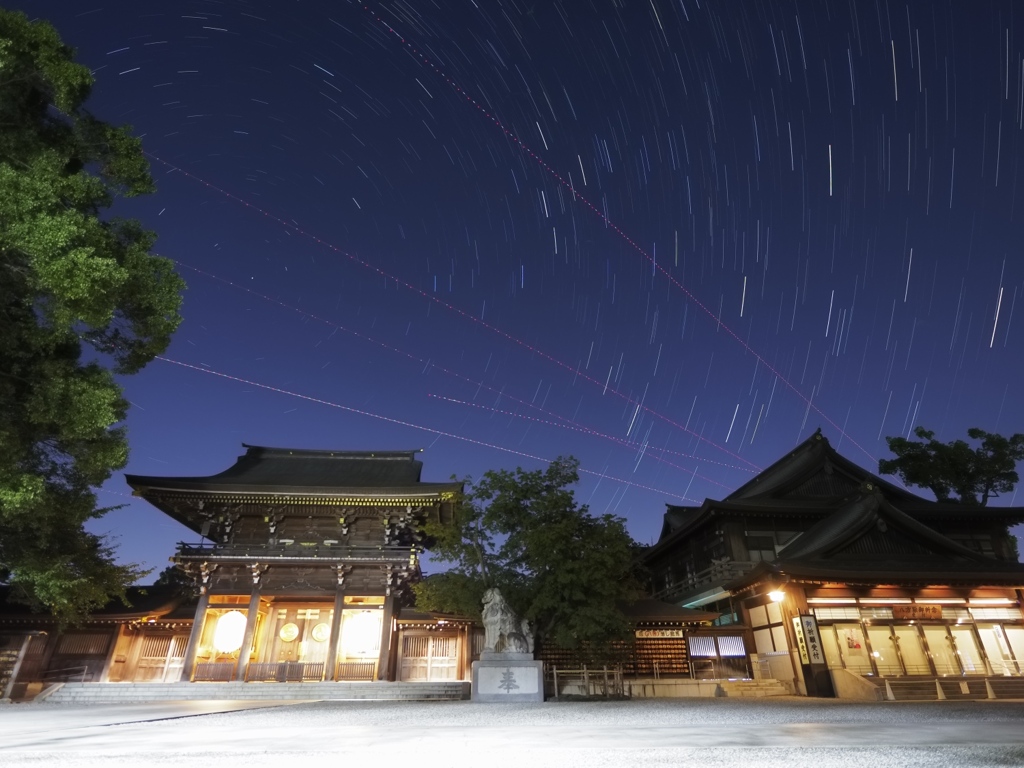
(503, 632)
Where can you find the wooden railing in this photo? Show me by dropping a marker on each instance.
(284, 672)
(295, 551)
(214, 672)
(66, 675)
(720, 572)
(356, 670)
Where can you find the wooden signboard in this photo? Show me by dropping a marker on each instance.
(917, 611)
(659, 633)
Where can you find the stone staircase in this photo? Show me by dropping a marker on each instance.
(948, 688)
(124, 693)
(754, 689)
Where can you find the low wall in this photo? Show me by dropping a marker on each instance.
(848, 685)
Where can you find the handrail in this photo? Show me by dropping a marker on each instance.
(58, 675)
(720, 571)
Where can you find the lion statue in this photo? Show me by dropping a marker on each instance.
(503, 632)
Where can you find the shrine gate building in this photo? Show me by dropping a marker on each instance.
(306, 559)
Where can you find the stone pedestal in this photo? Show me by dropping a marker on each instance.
(507, 677)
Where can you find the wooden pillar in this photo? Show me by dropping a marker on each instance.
(331, 667)
(250, 630)
(384, 660)
(5, 694)
(111, 652)
(193, 639)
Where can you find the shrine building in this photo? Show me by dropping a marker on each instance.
(846, 584)
(306, 555)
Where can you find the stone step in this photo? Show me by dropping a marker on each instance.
(953, 688)
(139, 692)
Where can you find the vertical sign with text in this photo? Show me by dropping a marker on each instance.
(812, 638)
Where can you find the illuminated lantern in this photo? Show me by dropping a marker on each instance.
(227, 637)
(361, 634)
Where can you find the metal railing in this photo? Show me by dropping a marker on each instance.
(586, 682)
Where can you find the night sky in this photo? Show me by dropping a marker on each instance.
(671, 238)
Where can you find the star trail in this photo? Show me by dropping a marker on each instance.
(672, 238)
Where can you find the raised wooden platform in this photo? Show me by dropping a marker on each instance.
(123, 693)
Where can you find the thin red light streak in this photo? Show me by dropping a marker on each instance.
(401, 422)
(575, 428)
(475, 383)
(446, 305)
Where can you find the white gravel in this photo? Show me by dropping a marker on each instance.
(787, 732)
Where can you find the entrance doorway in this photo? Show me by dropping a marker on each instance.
(160, 658)
(429, 657)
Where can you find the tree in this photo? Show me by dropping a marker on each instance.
(973, 474)
(183, 584)
(558, 566)
(81, 300)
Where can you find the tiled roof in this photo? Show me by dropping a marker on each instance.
(287, 470)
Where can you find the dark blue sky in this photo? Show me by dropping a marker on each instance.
(671, 238)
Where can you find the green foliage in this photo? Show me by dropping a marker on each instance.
(557, 565)
(172, 576)
(72, 283)
(973, 474)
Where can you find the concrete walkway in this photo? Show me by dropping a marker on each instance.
(783, 732)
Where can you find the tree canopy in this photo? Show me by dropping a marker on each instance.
(974, 475)
(559, 567)
(81, 300)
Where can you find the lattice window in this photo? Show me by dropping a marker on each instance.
(837, 614)
(83, 644)
(956, 614)
(731, 645)
(702, 646)
(415, 646)
(876, 613)
(989, 614)
(155, 646)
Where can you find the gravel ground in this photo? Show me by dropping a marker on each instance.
(787, 732)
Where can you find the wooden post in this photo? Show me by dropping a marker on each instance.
(5, 694)
(189, 662)
(250, 630)
(331, 670)
(111, 651)
(384, 660)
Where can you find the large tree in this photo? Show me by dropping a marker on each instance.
(973, 475)
(561, 568)
(81, 300)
